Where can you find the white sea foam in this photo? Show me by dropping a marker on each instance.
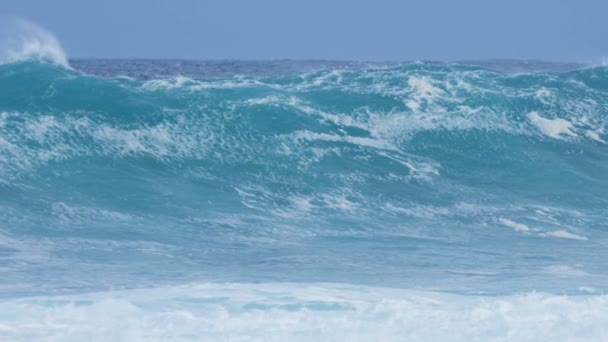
(81, 214)
(419, 169)
(163, 141)
(302, 312)
(361, 141)
(565, 235)
(185, 83)
(518, 227)
(595, 135)
(62, 138)
(165, 84)
(423, 92)
(340, 202)
(554, 128)
(303, 203)
(587, 289)
(542, 94)
(565, 271)
(23, 40)
(423, 87)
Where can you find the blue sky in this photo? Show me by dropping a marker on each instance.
(557, 30)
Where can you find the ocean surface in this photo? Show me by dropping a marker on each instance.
(145, 200)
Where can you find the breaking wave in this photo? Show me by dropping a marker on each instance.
(22, 40)
(449, 178)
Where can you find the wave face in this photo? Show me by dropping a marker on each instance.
(419, 177)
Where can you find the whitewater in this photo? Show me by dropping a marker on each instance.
(171, 200)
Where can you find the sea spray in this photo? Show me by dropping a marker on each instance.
(23, 40)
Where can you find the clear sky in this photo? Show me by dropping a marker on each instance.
(556, 30)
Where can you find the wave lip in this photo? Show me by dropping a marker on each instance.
(22, 40)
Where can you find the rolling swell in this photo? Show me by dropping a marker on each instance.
(382, 175)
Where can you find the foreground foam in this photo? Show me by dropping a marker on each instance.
(302, 312)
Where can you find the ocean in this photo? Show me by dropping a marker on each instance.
(169, 200)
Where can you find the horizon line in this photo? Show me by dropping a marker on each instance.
(339, 60)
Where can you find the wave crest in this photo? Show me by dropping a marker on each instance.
(22, 40)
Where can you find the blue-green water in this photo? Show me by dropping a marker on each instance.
(303, 200)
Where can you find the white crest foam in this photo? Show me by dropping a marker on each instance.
(23, 40)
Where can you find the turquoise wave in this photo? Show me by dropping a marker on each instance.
(443, 176)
